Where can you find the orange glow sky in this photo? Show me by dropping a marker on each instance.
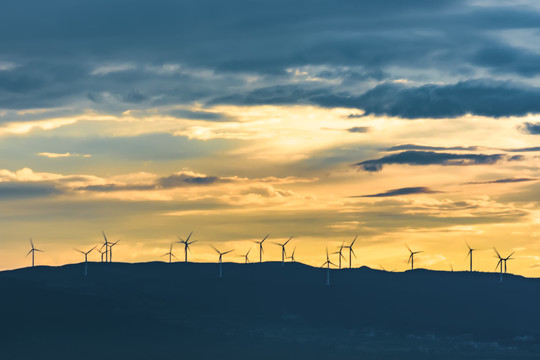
(323, 124)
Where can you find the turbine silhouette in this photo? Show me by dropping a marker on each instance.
(292, 255)
(170, 253)
(85, 259)
(261, 251)
(283, 252)
(502, 262)
(411, 257)
(340, 252)
(186, 244)
(106, 245)
(32, 251)
(351, 251)
(246, 256)
(220, 259)
(469, 255)
(328, 263)
(110, 249)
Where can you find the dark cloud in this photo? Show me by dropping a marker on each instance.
(359, 129)
(502, 181)
(531, 128)
(435, 148)
(26, 190)
(180, 180)
(429, 158)
(168, 182)
(198, 115)
(241, 52)
(116, 187)
(478, 97)
(527, 149)
(402, 191)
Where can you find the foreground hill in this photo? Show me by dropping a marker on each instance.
(265, 311)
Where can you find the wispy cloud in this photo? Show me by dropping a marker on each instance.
(503, 181)
(429, 158)
(62, 155)
(112, 68)
(401, 192)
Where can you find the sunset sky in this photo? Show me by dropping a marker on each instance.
(405, 122)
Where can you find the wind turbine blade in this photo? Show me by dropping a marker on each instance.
(105, 237)
(216, 250)
(509, 256)
(82, 252)
(288, 241)
(468, 245)
(496, 252)
(352, 252)
(29, 252)
(193, 242)
(265, 238)
(410, 257)
(174, 256)
(226, 252)
(31, 243)
(353, 241)
(408, 248)
(331, 263)
(181, 240)
(189, 236)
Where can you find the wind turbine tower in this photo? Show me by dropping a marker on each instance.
(110, 249)
(327, 263)
(261, 251)
(411, 257)
(351, 251)
(469, 255)
(340, 253)
(292, 255)
(170, 253)
(220, 260)
(283, 252)
(246, 256)
(85, 259)
(106, 245)
(33, 251)
(186, 244)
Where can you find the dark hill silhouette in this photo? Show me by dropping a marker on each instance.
(265, 311)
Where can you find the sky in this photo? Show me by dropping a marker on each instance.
(403, 122)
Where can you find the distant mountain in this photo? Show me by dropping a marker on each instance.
(264, 311)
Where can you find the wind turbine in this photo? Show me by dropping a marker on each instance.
(85, 259)
(292, 255)
(340, 252)
(283, 253)
(110, 249)
(246, 256)
(469, 255)
(261, 251)
(351, 251)
(220, 259)
(502, 261)
(170, 253)
(411, 257)
(106, 245)
(327, 263)
(186, 244)
(102, 253)
(33, 250)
